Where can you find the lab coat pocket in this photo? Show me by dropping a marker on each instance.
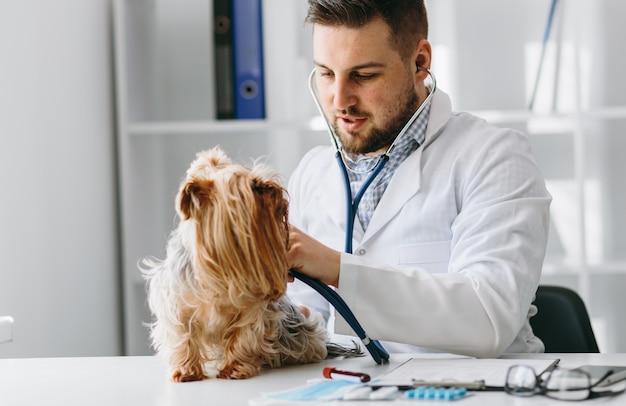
(432, 256)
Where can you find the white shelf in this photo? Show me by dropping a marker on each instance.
(149, 128)
(523, 116)
(196, 127)
(573, 268)
(607, 113)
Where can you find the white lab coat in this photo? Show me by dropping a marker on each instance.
(453, 254)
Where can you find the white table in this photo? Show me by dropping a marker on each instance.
(142, 381)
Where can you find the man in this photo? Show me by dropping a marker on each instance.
(450, 237)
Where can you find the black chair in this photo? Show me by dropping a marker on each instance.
(562, 321)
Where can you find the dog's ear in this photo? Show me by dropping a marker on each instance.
(271, 231)
(263, 186)
(271, 198)
(192, 195)
(272, 193)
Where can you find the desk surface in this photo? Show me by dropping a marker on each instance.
(143, 381)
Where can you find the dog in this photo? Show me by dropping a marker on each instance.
(218, 298)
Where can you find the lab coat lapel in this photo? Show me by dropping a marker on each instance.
(404, 184)
(406, 181)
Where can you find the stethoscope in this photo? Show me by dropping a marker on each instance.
(353, 203)
(378, 353)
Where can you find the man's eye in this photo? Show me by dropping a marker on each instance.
(364, 76)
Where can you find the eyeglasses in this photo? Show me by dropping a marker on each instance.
(563, 384)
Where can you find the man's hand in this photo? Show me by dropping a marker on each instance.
(313, 258)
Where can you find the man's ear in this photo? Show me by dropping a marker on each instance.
(422, 57)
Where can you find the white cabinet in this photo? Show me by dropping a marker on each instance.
(485, 56)
(165, 113)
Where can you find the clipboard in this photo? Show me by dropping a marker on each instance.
(471, 373)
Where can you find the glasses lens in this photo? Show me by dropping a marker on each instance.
(521, 380)
(568, 385)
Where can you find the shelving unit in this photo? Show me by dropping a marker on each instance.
(485, 57)
(165, 111)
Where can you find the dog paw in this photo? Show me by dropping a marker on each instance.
(237, 371)
(179, 376)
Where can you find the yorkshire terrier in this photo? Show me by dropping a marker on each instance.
(218, 298)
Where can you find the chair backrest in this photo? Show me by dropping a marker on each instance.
(562, 321)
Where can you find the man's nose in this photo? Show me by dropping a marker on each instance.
(344, 94)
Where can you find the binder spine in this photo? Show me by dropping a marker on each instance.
(223, 59)
(249, 88)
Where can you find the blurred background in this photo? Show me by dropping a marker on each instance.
(104, 103)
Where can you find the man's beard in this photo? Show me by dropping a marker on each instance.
(377, 138)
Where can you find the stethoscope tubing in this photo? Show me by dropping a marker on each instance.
(353, 204)
(376, 350)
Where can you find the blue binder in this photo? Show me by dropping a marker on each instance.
(248, 84)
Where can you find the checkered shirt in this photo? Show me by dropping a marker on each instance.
(406, 145)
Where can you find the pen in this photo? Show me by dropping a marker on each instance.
(334, 373)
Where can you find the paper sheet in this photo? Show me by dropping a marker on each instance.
(462, 369)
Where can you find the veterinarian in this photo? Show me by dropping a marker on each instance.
(449, 238)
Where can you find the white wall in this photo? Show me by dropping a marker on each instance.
(58, 248)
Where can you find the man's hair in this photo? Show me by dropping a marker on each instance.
(407, 19)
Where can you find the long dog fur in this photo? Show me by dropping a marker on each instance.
(218, 297)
